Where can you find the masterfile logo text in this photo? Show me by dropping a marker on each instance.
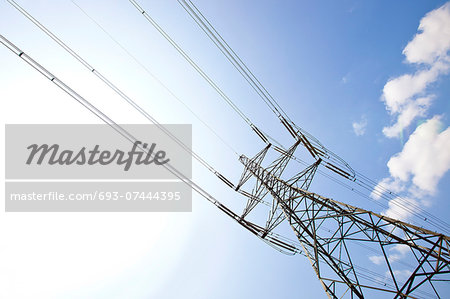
(94, 168)
(52, 155)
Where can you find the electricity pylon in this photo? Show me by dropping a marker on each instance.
(328, 231)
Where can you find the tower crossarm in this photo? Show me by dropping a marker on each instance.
(328, 230)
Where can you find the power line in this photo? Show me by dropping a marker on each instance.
(270, 101)
(154, 77)
(294, 130)
(254, 229)
(201, 72)
(204, 123)
(110, 122)
(273, 238)
(113, 87)
(43, 71)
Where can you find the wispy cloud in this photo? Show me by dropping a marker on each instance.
(344, 79)
(395, 208)
(406, 96)
(396, 253)
(425, 158)
(423, 161)
(385, 184)
(433, 40)
(377, 259)
(359, 128)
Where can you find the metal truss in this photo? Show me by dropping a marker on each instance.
(328, 231)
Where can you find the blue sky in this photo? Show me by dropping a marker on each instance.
(328, 64)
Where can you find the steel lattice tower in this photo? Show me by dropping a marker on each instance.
(327, 230)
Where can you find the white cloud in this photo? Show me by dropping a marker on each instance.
(433, 41)
(387, 185)
(399, 251)
(405, 96)
(424, 160)
(400, 274)
(399, 91)
(377, 259)
(396, 208)
(425, 156)
(409, 112)
(360, 127)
